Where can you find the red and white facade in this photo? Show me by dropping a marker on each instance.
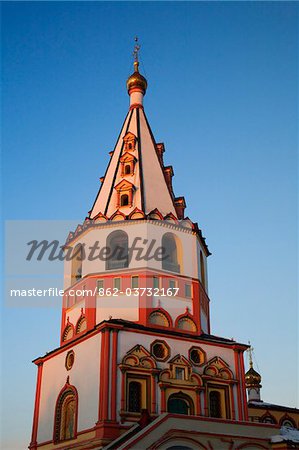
(146, 353)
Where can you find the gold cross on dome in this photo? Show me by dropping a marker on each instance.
(250, 350)
(136, 49)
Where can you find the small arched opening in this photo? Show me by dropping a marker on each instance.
(159, 318)
(171, 260)
(77, 258)
(118, 251)
(180, 404)
(124, 200)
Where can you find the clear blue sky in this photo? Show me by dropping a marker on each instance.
(222, 96)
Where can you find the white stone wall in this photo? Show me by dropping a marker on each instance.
(84, 376)
(119, 307)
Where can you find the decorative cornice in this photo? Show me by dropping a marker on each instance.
(108, 223)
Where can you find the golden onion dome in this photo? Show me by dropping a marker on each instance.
(136, 80)
(252, 378)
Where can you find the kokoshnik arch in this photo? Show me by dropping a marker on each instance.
(141, 369)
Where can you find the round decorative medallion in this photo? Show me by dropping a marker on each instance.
(69, 360)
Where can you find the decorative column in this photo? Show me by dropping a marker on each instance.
(114, 374)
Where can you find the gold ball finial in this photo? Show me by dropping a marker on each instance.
(136, 81)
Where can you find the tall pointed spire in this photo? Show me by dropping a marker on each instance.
(136, 178)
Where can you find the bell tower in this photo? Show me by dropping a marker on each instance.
(136, 210)
(135, 338)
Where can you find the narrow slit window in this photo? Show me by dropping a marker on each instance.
(156, 282)
(100, 285)
(135, 282)
(187, 290)
(172, 284)
(134, 396)
(117, 283)
(215, 404)
(180, 373)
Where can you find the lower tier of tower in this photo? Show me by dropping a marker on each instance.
(104, 381)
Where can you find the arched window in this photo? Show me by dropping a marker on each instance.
(170, 258)
(287, 422)
(77, 258)
(66, 415)
(202, 270)
(159, 318)
(81, 325)
(134, 396)
(268, 418)
(127, 169)
(187, 324)
(124, 200)
(68, 333)
(117, 244)
(180, 404)
(215, 404)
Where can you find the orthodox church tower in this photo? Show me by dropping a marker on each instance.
(135, 339)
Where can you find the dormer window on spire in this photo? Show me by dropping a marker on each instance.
(127, 164)
(124, 191)
(129, 142)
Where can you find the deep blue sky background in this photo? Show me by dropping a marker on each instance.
(222, 95)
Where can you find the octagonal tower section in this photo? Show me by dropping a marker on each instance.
(146, 270)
